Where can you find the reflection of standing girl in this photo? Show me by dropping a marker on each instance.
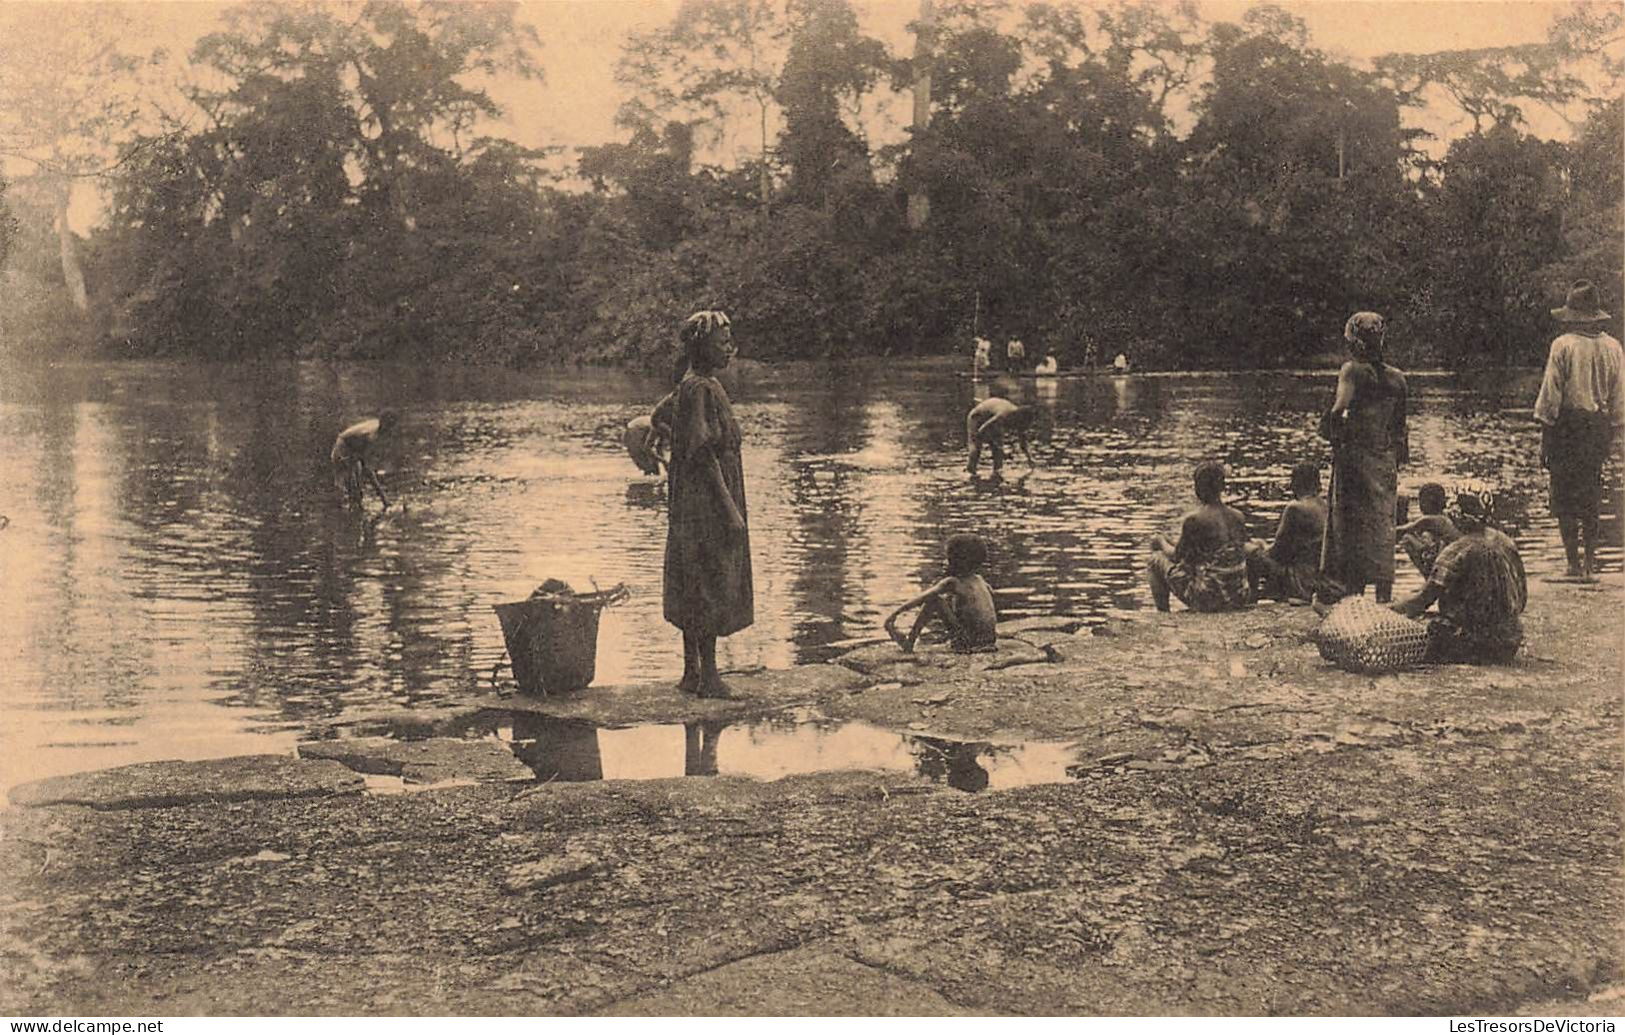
(708, 589)
(1366, 427)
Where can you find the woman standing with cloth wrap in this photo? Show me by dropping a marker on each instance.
(1366, 427)
(1581, 408)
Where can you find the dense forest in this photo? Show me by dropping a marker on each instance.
(321, 181)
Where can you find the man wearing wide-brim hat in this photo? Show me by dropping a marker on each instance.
(1581, 408)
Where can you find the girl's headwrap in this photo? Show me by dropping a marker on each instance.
(701, 326)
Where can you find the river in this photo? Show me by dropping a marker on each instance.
(177, 582)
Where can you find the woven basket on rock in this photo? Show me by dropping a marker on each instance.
(1360, 636)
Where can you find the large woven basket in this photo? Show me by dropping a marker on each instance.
(1360, 636)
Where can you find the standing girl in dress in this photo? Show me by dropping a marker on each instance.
(708, 590)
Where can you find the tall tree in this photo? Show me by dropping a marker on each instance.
(830, 66)
(713, 55)
(70, 95)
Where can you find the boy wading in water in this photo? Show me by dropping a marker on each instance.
(961, 601)
(349, 457)
(986, 424)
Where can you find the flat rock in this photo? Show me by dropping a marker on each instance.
(1043, 623)
(564, 868)
(423, 761)
(756, 691)
(408, 722)
(168, 784)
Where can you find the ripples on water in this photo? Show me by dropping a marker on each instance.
(178, 582)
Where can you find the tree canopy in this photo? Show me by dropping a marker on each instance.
(1099, 178)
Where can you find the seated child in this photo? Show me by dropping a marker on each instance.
(1430, 533)
(986, 424)
(961, 601)
(1207, 568)
(645, 437)
(1289, 568)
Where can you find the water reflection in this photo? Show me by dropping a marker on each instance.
(178, 582)
(574, 751)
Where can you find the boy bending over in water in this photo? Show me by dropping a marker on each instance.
(647, 438)
(1430, 533)
(962, 601)
(987, 423)
(349, 456)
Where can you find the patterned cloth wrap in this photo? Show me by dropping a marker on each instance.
(1218, 583)
(1360, 636)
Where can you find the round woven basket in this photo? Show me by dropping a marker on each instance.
(1361, 636)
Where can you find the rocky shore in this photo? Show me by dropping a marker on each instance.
(1244, 830)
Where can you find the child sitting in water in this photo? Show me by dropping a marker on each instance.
(962, 601)
(1430, 533)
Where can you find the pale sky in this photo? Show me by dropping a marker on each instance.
(575, 105)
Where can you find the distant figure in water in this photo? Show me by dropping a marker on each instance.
(349, 457)
(984, 354)
(1289, 568)
(1120, 364)
(988, 422)
(646, 438)
(1478, 581)
(1048, 366)
(1207, 568)
(1015, 354)
(962, 602)
(1430, 533)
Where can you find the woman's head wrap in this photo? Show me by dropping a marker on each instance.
(1364, 331)
(1475, 506)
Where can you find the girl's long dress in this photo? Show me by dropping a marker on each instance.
(708, 589)
(1359, 545)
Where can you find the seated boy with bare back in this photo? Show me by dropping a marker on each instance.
(1430, 533)
(1207, 568)
(349, 456)
(962, 602)
(988, 422)
(1289, 567)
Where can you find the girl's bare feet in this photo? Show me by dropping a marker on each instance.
(715, 689)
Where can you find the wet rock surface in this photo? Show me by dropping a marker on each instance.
(168, 784)
(434, 760)
(1250, 831)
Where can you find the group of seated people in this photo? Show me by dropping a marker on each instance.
(1474, 574)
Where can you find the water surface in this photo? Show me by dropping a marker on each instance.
(177, 582)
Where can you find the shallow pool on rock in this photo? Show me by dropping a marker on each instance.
(574, 750)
